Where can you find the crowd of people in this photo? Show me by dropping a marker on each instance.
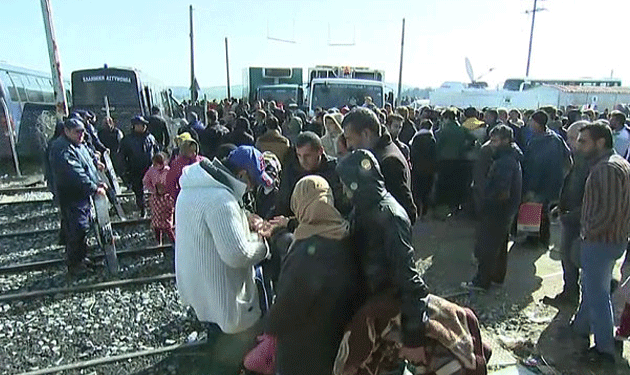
(300, 228)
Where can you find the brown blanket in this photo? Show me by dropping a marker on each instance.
(371, 343)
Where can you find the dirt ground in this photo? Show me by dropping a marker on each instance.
(514, 320)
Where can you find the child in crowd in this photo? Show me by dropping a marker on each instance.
(161, 203)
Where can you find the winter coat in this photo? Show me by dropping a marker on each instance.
(73, 171)
(502, 191)
(407, 132)
(453, 141)
(621, 140)
(137, 150)
(91, 138)
(213, 136)
(215, 251)
(572, 193)
(292, 172)
(157, 127)
(315, 127)
(329, 142)
(382, 234)
(545, 157)
(111, 138)
(422, 153)
(258, 129)
(292, 128)
(240, 137)
(404, 149)
(395, 169)
(316, 297)
(274, 142)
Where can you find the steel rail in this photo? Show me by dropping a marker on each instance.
(43, 264)
(116, 358)
(49, 200)
(19, 190)
(52, 230)
(84, 288)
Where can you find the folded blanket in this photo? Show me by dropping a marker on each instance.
(372, 345)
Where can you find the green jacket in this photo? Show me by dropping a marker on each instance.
(453, 141)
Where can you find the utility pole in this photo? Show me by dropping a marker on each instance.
(55, 63)
(227, 68)
(402, 47)
(531, 34)
(193, 89)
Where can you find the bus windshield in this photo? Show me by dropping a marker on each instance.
(283, 95)
(89, 87)
(329, 95)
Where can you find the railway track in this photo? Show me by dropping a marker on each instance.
(23, 190)
(56, 229)
(22, 296)
(50, 322)
(39, 265)
(46, 200)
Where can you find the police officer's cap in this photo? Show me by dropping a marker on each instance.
(139, 120)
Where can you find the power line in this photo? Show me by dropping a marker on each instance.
(533, 12)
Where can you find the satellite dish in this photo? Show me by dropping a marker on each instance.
(469, 70)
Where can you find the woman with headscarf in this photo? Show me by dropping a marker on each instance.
(317, 289)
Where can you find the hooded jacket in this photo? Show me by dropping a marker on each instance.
(215, 252)
(382, 235)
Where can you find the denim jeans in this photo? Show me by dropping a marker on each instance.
(595, 314)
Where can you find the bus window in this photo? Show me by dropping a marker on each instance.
(48, 91)
(13, 94)
(19, 85)
(33, 90)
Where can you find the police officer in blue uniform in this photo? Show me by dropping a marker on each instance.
(76, 180)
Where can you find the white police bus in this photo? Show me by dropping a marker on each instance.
(27, 108)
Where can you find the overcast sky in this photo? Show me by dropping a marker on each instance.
(572, 39)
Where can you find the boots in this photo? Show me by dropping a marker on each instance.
(623, 331)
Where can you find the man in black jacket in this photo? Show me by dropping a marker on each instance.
(111, 137)
(423, 159)
(137, 150)
(501, 198)
(308, 158)
(382, 235)
(75, 176)
(157, 127)
(214, 135)
(363, 131)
